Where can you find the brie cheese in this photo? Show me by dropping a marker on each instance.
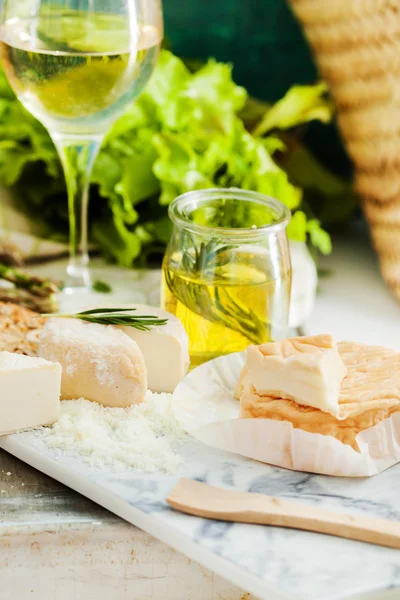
(99, 362)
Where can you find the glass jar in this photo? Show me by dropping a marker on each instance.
(227, 271)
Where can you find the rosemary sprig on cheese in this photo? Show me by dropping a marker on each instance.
(115, 316)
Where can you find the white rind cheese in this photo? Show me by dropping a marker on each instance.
(29, 392)
(308, 370)
(165, 348)
(99, 362)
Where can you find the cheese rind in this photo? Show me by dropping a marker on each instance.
(99, 362)
(308, 370)
(165, 348)
(29, 392)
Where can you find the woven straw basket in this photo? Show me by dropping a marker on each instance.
(357, 48)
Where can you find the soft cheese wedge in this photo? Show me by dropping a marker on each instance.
(165, 348)
(99, 362)
(308, 370)
(30, 392)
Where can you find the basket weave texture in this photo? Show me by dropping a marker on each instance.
(357, 48)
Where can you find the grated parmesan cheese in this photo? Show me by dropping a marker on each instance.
(143, 437)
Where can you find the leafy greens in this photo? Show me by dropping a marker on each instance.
(186, 131)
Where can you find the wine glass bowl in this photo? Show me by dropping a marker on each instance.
(76, 65)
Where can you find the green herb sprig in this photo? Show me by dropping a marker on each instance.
(115, 316)
(205, 259)
(101, 287)
(218, 306)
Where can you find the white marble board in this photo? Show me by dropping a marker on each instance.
(271, 563)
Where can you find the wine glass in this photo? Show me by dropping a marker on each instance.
(76, 65)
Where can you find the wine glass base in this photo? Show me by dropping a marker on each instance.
(78, 279)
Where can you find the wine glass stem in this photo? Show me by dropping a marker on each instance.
(77, 157)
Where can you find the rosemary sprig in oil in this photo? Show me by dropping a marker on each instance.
(216, 306)
(115, 316)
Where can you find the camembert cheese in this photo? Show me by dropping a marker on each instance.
(308, 370)
(99, 362)
(30, 392)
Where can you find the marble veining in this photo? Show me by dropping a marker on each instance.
(283, 563)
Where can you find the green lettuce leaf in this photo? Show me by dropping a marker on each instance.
(301, 104)
(297, 228)
(320, 239)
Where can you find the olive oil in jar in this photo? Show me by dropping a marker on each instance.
(227, 271)
(228, 304)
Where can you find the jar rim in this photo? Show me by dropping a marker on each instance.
(177, 214)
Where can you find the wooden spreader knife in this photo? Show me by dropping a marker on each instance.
(202, 500)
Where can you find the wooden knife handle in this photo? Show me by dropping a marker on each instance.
(202, 500)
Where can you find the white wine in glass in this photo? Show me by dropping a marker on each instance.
(76, 65)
